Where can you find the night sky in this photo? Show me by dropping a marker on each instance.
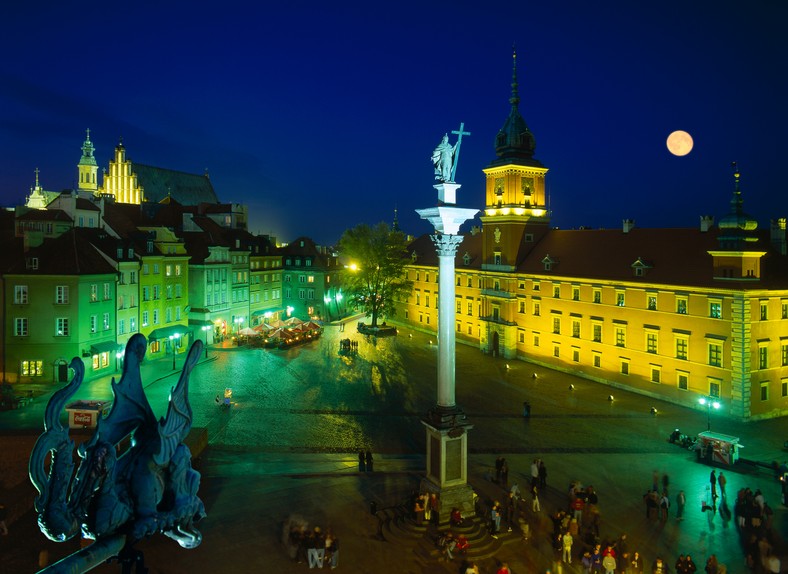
(323, 115)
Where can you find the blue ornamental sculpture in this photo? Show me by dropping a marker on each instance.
(119, 499)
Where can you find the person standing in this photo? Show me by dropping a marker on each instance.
(542, 474)
(511, 511)
(535, 472)
(664, 506)
(722, 481)
(368, 458)
(332, 549)
(535, 506)
(636, 564)
(609, 564)
(495, 518)
(361, 465)
(498, 467)
(504, 475)
(713, 482)
(568, 540)
(681, 501)
(504, 569)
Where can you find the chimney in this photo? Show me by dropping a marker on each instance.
(706, 222)
(629, 225)
(778, 235)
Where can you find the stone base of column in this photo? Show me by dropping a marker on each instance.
(447, 460)
(461, 497)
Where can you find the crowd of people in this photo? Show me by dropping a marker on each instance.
(313, 546)
(576, 534)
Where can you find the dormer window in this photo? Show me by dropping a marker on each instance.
(497, 258)
(413, 257)
(549, 262)
(640, 267)
(31, 263)
(466, 259)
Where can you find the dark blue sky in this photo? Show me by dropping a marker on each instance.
(320, 116)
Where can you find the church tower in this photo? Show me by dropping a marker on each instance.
(87, 167)
(121, 182)
(515, 192)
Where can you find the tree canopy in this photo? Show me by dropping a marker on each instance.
(374, 275)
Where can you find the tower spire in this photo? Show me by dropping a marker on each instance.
(515, 99)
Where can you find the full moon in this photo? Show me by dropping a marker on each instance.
(679, 143)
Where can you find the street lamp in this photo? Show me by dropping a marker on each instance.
(119, 359)
(173, 339)
(337, 299)
(709, 402)
(205, 329)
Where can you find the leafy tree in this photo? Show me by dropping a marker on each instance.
(374, 277)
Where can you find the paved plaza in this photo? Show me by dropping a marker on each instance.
(288, 447)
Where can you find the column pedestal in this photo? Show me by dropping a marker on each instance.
(447, 460)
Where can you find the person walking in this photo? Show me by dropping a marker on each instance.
(722, 481)
(535, 472)
(713, 482)
(361, 465)
(681, 500)
(535, 506)
(368, 458)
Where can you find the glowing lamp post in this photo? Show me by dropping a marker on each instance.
(709, 403)
(173, 341)
(238, 323)
(337, 299)
(119, 359)
(205, 329)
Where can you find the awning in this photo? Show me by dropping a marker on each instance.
(104, 347)
(167, 332)
(264, 311)
(201, 322)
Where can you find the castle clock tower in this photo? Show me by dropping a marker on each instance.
(515, 218)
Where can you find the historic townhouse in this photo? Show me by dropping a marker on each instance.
(60, 303)
(265, 284)
(164, 288)
(678, 314)
(311, 281)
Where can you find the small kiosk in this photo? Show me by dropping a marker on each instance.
(717, 448)
(85, 414)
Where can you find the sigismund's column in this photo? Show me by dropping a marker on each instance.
(446, 423)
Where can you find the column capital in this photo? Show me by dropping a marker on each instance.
(446, 244)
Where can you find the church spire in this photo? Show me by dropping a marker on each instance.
(87, 167)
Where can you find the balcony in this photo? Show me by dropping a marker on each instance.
(497, 293)
(497, 320)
